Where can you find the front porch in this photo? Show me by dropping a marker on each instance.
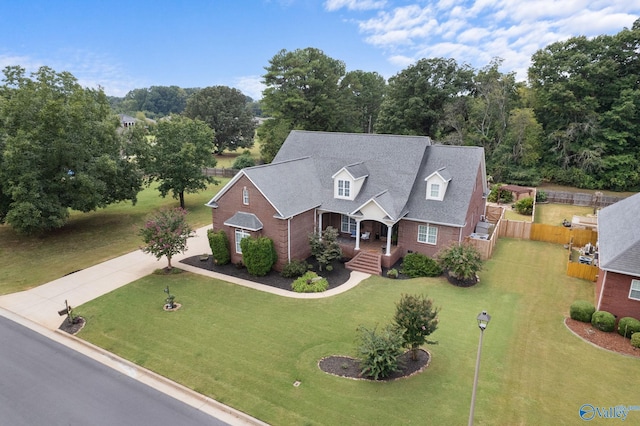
(348, 246)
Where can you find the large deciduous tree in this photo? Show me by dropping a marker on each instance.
(416, 97)
(362, 94)
(303, 88)
(228, 114)
(588, 101)
(176, 157)
(59, 150)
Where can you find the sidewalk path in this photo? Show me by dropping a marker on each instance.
(38, 308)
(41, 304)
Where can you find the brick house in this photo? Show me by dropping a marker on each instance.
(387, 195)
(618, 285)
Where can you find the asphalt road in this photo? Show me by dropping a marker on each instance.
(45, 383)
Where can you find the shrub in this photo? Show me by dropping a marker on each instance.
(498, 195)
(244, 160)
(259, 255)
(219, 243)
(603, 321)
(295, 269)
(541, 196)
(379, 351)
(581, 310)
(524, 206)
(418, 265)
(392, 273)
(628, 326)
(463, 261)
(635, 340)
(310, 282)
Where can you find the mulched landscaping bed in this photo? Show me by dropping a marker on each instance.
(72, 327)
(338, 276)
(344, 366)
(611, 341)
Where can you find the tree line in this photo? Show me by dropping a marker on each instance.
(575, 121)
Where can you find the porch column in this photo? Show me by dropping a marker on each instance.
(320, 225)
(389, 232)
(357, 235)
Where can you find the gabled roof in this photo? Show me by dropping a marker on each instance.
(443, 173)
(243, 220)
(290, 186)
(462, 164)
(619, 236)
(394, 168)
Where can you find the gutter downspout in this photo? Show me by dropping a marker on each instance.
(289, 239)
(604, 280)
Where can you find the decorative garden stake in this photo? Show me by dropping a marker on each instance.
(169, 300)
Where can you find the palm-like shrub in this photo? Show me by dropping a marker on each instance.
(379, 351)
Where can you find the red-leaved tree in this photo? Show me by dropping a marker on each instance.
(165, 233)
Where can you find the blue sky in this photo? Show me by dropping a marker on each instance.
(124, 45)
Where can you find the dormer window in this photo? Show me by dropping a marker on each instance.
(348, 181)
(437, 183)
(434, 190)
(344, 188)
(245, 196)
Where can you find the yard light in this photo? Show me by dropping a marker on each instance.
(483, 322)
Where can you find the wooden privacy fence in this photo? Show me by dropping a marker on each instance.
(210, 171)
(580, 270)
(581, 199)
(549, 233)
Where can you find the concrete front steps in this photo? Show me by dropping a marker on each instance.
(367, 262)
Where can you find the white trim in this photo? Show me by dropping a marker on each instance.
(427, 234)
(635, 283)
(245, 234)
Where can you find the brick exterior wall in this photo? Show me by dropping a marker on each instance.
(615, 298)
(277, 229)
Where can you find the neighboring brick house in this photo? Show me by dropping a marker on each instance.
(394, 194)
(618, 284)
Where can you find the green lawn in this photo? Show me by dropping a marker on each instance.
(553, 214)
(245, 348)
(88, 239)
(226, 159)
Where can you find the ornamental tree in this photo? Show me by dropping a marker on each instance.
(165, 233)
(418, 318)
(325, 248)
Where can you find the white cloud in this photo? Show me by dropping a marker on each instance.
(251, 86)
(333, 5)
(476, 31)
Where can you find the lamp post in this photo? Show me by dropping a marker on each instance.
(483, 321)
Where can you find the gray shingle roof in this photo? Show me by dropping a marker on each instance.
(619, 236)
(245, 221)
(300, 177)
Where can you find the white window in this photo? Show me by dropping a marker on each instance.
(245, 196)
(435, 190)
(240, 234)
(348, 224)
(344, 188)
(427, 234)
(634, 293)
